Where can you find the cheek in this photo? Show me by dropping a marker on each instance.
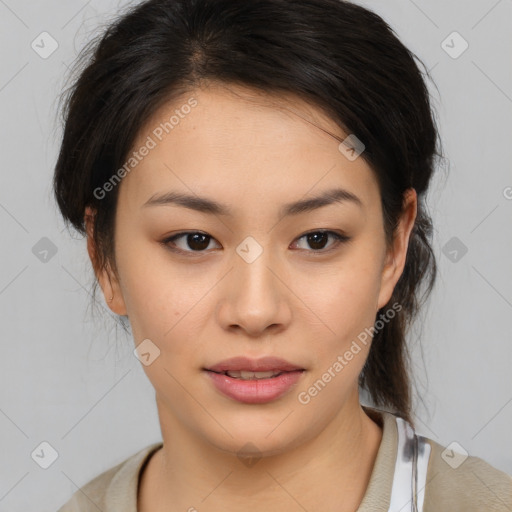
(151, 301)
(350, 295)
(164, 302)
(346, 302)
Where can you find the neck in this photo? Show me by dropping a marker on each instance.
(329, 472)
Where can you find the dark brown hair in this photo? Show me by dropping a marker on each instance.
(336, 55)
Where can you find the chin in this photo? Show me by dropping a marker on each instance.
(258, 434)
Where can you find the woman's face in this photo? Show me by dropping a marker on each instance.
(248, 280)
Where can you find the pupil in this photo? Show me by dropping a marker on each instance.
(194, 241)
(312, 238)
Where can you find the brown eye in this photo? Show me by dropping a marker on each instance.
(197, 242)
(193, 241)
(317, 240)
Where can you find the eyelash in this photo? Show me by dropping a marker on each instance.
(340, 239)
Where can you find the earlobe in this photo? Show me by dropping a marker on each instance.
(111, 291)
(397, 253)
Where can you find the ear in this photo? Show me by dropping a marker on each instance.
(106, 278)
(394, 262)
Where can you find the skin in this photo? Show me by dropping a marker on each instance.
(240, 149)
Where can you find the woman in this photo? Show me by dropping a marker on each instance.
(251, 177)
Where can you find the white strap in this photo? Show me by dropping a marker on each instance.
(410, 477)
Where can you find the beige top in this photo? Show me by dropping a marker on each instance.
(474, 486)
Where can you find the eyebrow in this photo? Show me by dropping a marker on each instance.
(206, 205)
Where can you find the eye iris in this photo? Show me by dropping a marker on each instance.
(313, 240)
(195, 239)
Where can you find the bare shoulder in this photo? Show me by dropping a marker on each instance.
(456, 482)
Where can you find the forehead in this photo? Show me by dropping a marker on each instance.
(236, 143)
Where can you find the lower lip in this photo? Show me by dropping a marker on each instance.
(256, 391)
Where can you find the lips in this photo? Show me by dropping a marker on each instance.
(254, 381)
(245, 364)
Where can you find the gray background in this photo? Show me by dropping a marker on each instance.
(73, 381)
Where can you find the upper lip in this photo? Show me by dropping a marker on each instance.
(263, 364)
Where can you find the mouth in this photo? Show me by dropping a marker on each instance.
(249, 369)
(248, 375)
(254, 381)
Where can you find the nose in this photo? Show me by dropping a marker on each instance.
(255, 297)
